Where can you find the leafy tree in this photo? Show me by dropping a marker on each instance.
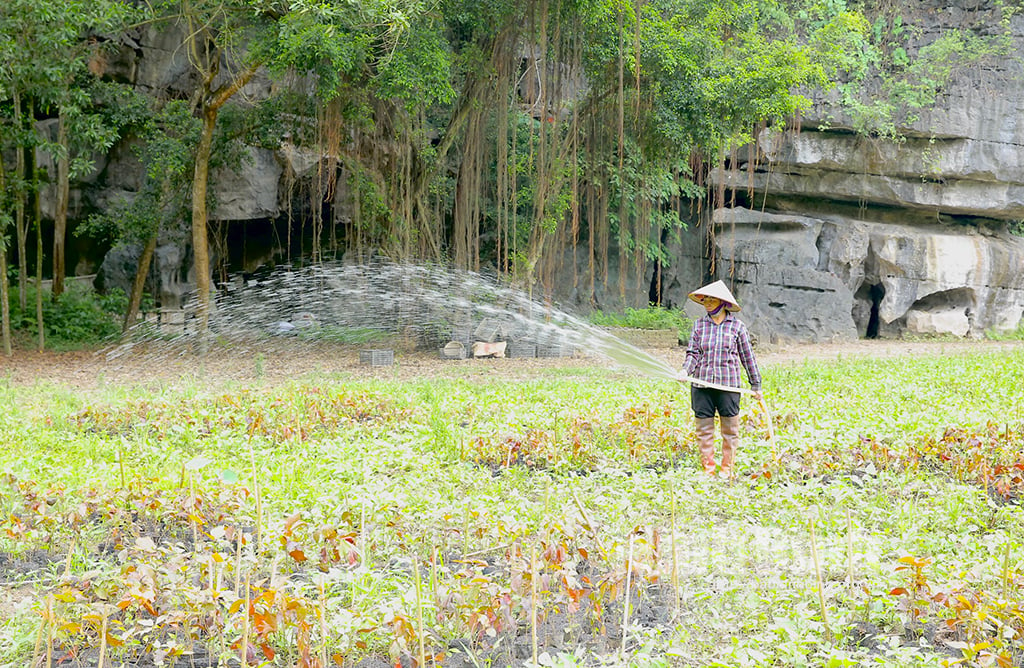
(163, 139)
(228, 41)
(44, 53)
(588, 122)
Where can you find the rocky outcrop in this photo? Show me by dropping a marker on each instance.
(833, 234)
(170, 271)
(837, 234)
(828, 278)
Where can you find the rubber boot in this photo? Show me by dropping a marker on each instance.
(730, 443)
(706, 442)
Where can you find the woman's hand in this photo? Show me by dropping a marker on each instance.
(757, 396)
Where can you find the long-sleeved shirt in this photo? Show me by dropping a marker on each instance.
(716, 352)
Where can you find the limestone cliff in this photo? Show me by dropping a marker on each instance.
(834, 234)
(837, 234)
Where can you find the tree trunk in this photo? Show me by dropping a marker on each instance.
(210, 108)
(60, 218)
(5, 306)
(200, 239)
(141, 272)
(20, 226)
(39, 282)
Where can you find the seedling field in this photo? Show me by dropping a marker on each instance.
(559, 520)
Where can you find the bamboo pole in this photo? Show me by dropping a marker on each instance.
(238, 559)
(821, 586)
(323, 622)
(675, 566)
(422, 656)
(849, 550)
(243, 657)
(103, 637)
(49, 631)
(533, 602)
(256, 494)
(39, 635)
(625, 604)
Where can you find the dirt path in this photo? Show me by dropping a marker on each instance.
(90, 370)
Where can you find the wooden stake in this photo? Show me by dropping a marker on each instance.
(675, 568)
(433, 576)
(1006, 571)
(39, 636)
(193, 511)
(849, 550)
(244, 649)
(49, 631)
(67, 561)
(533, 601)
(821, 586)
(625, 606)
(419, 613)
(364, 546)
(103, 637)
(259, 500)
(120, 461)
(591, 527)
(238, 560)
(323, 623)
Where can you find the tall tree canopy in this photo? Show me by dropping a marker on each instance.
(45, 53)
(495, 133)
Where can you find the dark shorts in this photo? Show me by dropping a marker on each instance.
(706, 402)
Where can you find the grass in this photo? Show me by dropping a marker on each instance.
(445, 512)
(652, 317)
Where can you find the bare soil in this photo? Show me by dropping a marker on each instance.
(281, 362)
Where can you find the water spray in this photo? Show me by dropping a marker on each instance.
(430, 304)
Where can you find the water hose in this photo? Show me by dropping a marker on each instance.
(683, 378)
(771, 427)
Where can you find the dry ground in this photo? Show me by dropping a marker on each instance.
(280, 362)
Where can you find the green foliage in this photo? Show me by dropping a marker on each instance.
(166, 137)
(343, 335)
(579, 476)
(709, 71)
(78, 318)
(889, 78)
(652, 317)
(1011, 335)
(697, 77)
(320, 40)
(418, 73)
(47, 60)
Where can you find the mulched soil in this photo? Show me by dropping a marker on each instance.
(277, 362)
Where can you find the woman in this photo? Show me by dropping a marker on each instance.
(719, 346)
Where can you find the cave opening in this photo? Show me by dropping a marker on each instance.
(875, 294)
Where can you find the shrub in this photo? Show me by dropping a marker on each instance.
(78, 317)
(1007, 335)
(652, 317)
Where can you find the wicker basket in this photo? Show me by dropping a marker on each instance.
(519, 349)
(377, 357)
(453, 350)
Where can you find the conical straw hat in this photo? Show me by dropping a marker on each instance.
(718, 290)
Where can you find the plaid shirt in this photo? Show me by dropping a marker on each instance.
(716, 352)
